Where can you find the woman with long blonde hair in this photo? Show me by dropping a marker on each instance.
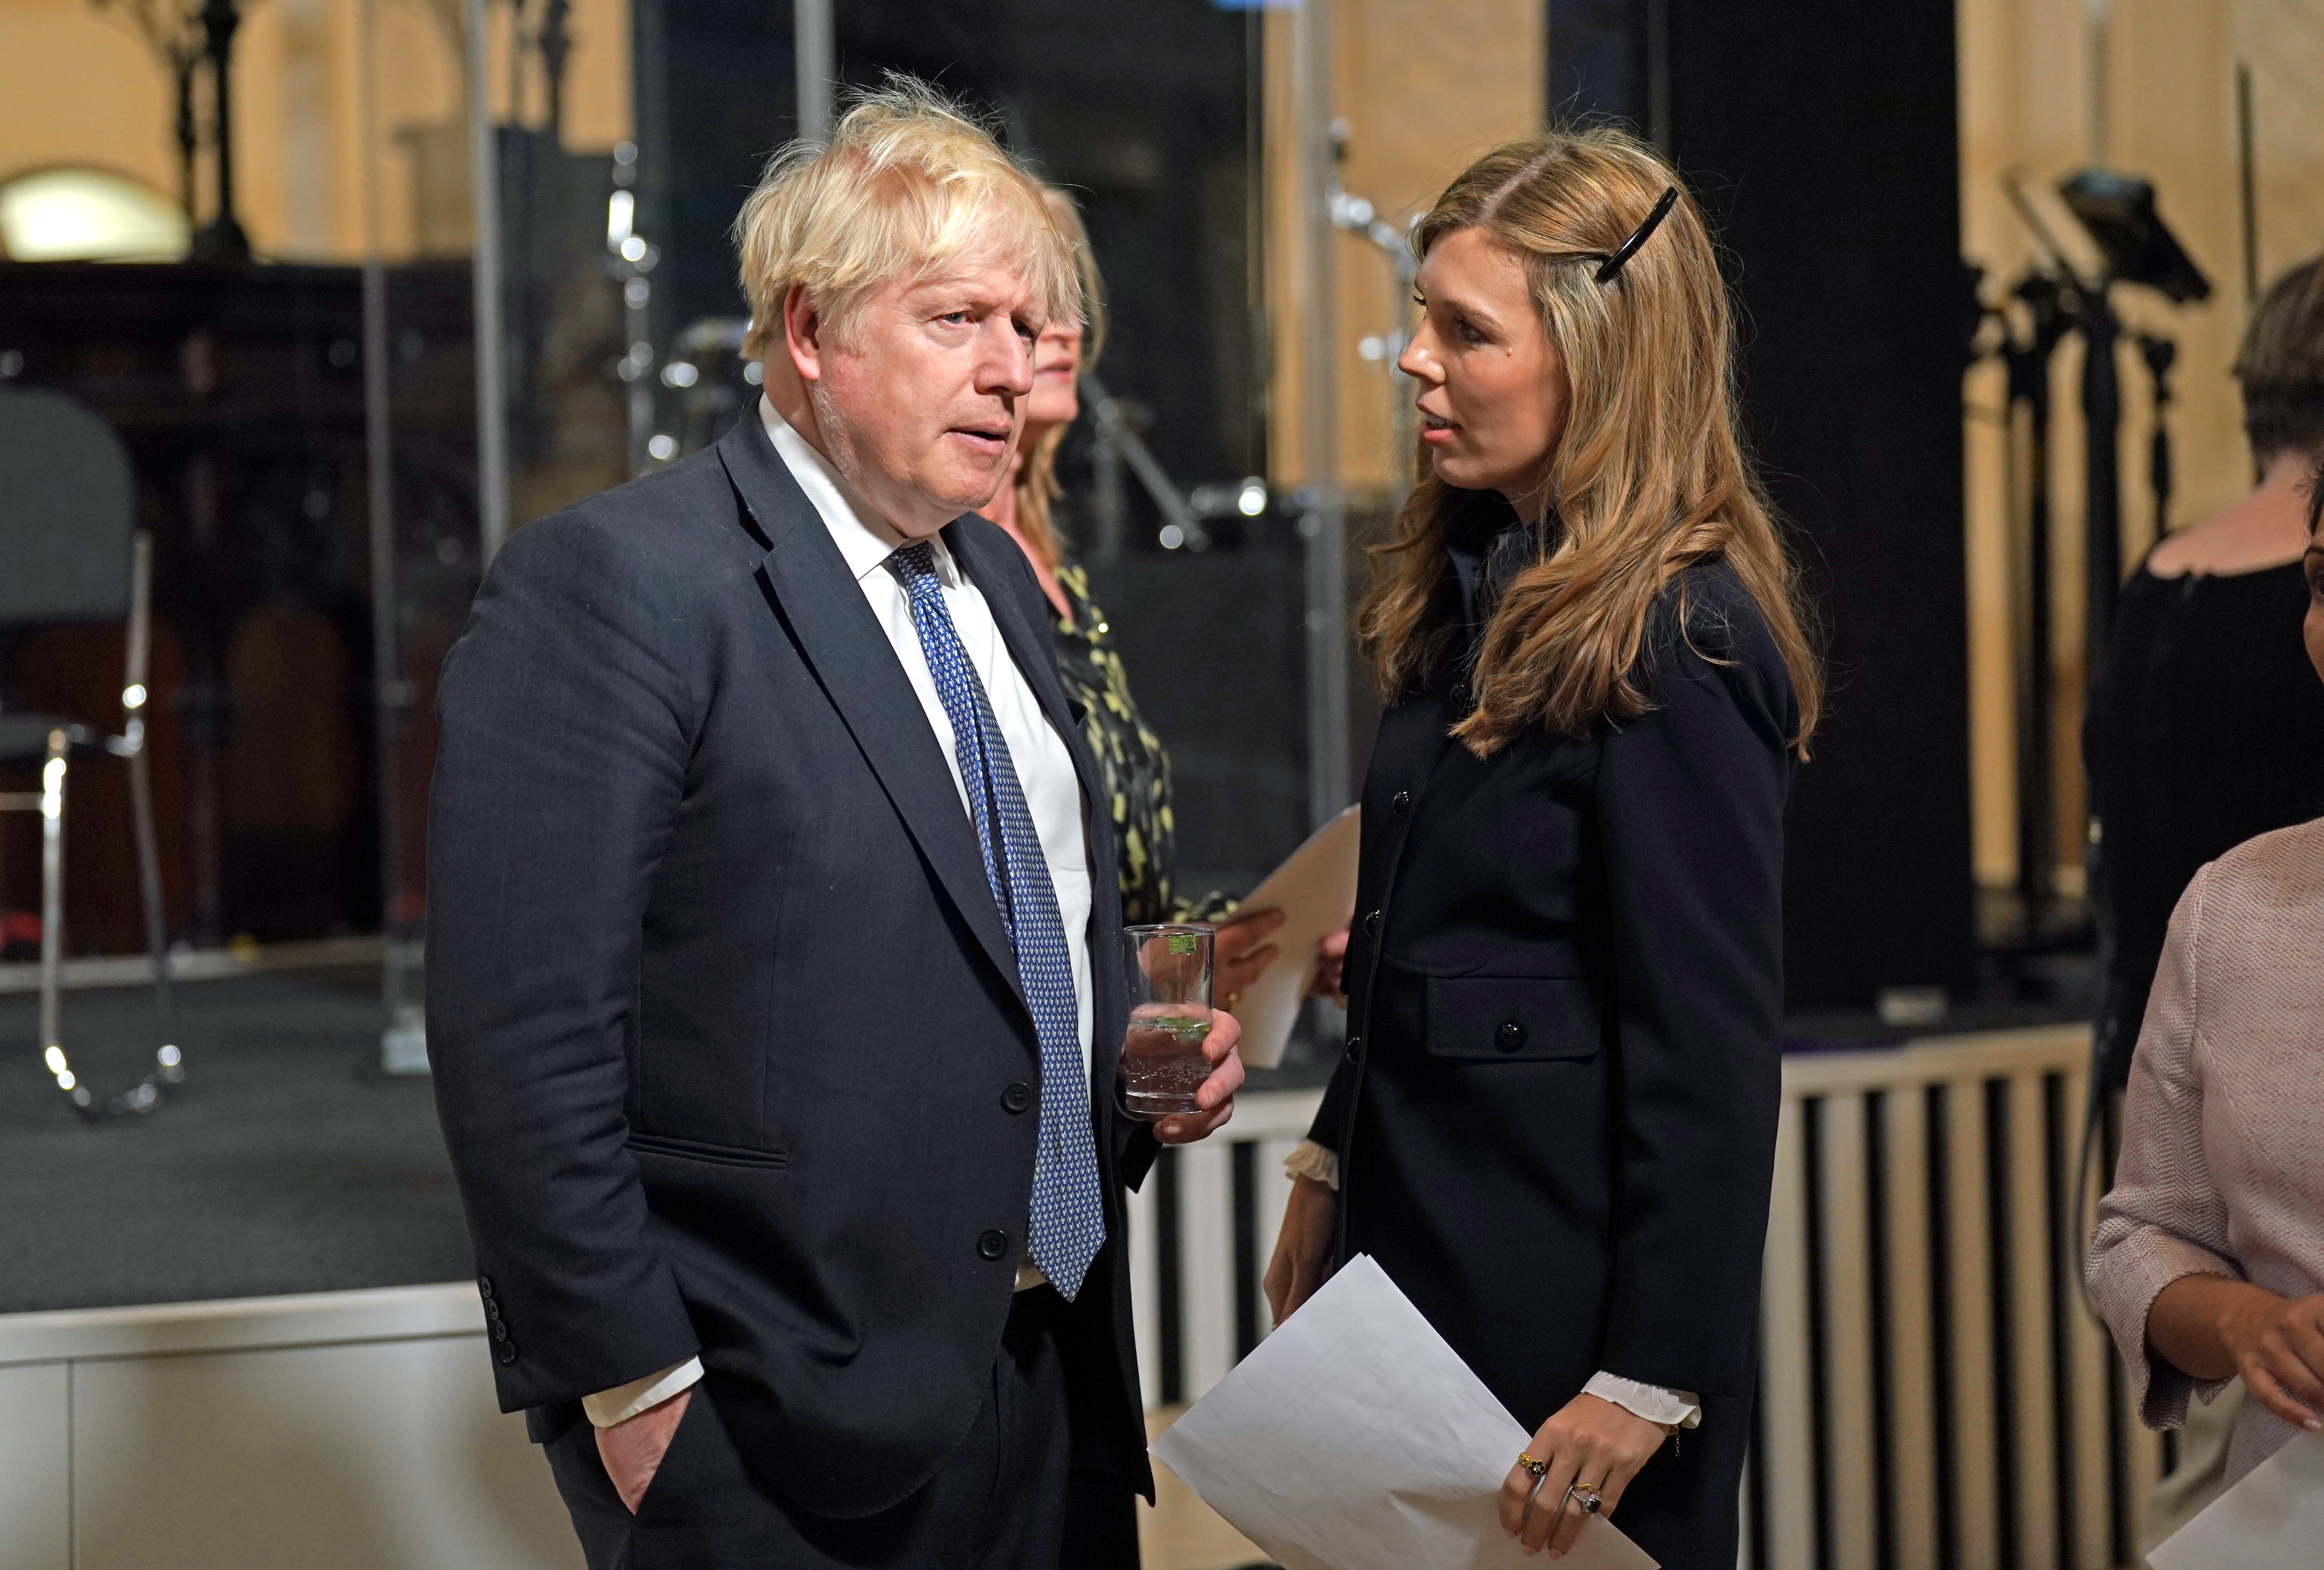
(1554, 1123)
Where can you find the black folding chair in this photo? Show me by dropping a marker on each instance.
(69, 553)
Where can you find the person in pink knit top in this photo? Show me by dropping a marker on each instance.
(2209, 1258)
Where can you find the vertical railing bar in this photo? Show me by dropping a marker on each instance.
(2032, 1371)
(1206, 1201)
(1170, 1278)
(1910, 1387)
(1975, 1504)
(1845, 1467)
(2090, 1380)
(1146, 1286)
(1244, 1230)
(1787, 1448)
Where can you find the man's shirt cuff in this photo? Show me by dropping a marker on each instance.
(624, 1401)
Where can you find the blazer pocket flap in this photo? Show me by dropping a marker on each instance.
(696, 1150)
(1511, 1019)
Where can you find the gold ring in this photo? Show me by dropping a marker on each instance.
(1533, 1468)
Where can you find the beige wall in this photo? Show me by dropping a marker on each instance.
(94, 95)
(2028, 80)
(1424, 86)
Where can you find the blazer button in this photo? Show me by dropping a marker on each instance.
(484, 1288)
(1512, 1035)
(1017, 1098)
(507, 1352)
(1355, 1049)
(1402, 802)
(1372, 925)
(499, 1328)
(993, 1244)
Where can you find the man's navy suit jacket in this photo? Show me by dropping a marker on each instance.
(728, 1045)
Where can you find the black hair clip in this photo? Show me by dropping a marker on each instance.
(1613, 264)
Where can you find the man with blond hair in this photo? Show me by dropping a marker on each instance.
(771, 992)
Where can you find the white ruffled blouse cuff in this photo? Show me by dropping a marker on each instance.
(1313, 1161)
(1655, 1404)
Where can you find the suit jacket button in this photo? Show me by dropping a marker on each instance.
(507, 1352)
(993, 1244)
(1512, 1035)
(1372, 925)
(484, 1288)
(1355, 1049)
(499, 1328)
(1017, 1098)
(1402, 802)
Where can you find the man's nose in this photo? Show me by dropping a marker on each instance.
(1005, 361)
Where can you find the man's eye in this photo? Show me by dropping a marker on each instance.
(953, 316)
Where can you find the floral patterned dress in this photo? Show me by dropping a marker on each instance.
(1131, 757)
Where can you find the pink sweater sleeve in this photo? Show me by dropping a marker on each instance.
(2165, 1218)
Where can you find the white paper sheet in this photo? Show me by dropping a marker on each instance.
(1316, 890)
(2273, 1520)
(1354, 1439)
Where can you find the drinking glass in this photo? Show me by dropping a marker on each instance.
(1162, 1061)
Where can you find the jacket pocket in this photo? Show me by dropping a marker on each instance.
(1511, 1019)
(694, 1149)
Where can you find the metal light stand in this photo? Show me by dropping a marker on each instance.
(222, 238)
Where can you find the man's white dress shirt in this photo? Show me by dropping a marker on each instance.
(1045, 768)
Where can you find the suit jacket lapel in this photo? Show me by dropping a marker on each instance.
(811, 590)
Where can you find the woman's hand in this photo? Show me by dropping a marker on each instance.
(1303, 1249)
(1331, 969)
(2278, 1346)
(2209, 1327)
(1237, 956)
(1591, 1442)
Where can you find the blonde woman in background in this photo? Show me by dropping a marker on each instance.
(1137, 769)
(1554, 1126)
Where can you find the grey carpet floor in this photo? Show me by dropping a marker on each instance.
(285, 1163)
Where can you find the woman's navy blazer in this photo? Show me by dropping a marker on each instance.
(1556, 1116)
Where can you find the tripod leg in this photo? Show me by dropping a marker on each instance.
(149, 879)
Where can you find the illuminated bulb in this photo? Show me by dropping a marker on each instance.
(1172, 536)
(55, 1058)
(663, 448)
(64, 1080)
(634, 248)
(1251, 500)
(132, 696)
(168, 1056)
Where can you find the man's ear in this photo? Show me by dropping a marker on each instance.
(803, 333)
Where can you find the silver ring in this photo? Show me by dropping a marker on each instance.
(1582, 1494)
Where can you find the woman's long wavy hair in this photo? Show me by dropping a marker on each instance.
(1647, 477)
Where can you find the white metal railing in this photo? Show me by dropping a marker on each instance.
(1933, 1392)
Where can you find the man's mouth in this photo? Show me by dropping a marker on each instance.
(985, 438)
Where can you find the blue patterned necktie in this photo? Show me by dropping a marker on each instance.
(1068, 1211)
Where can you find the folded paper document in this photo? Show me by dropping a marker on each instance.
(1354, 1439)
(1316, 890)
